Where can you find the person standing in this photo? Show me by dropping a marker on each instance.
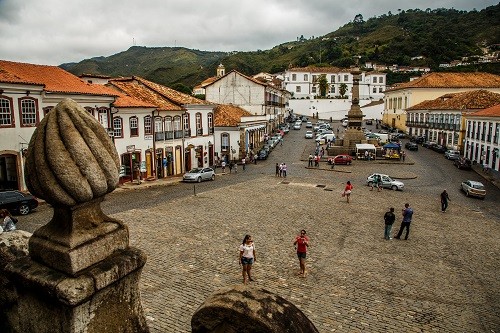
(403, 154)
(277, 170)
(231, 164)
(247, 257)
(223, 166)
(444, 201)
(243, 162)
(389, 219)
(301, 244)
(377, 182)
(407, 216)
(310, 159)
(284, 168)
(281, 170)
(348, 190)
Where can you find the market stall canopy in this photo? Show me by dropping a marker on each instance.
(392, 145)
(365, 146)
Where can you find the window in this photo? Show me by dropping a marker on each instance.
(167, 124)
(103, 117)
(28, 112)
(48, 108)
(332, 79)
(199, 124)
(294, 77)
(306, 77)
(380, 89)
(118, 127)
(187, 129)
(332, 89)
(315, 78)
(177, 123)
(158, 125)
(374, 89)
(210, 118)
(313, 90)
(6, 116)
(381, 79)
(147, 126)
(346, 78)
(224, 139)
(490, 132)
(374, 79)
(134, 126)
(297, 89)
(497, 133)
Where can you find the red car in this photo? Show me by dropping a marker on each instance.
(340, 159)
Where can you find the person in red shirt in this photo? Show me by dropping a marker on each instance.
(348, 190)
(301, 244)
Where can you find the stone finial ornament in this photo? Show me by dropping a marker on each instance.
(71, 158)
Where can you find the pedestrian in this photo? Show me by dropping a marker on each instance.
(231, 164)
(367, 155)
(301, 244)
(7, 222)
(407, 215)
(377, 181)
(247, 257)
(281, 170)
(281, 141)
(243, 162)
(235, 167)
(310, 163)
(277, 170)
(223, 166)
(255, 159)
(389, 219)
(284, 168)
(347, 190)
(403, 154)
(444, 200)
(333, 162)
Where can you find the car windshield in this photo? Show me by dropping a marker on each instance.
(195, 170)
(478, 186)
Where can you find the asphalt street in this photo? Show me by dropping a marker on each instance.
(443, 279)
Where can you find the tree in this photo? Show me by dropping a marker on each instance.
(342, 89)
(323, 85)
(358, 19)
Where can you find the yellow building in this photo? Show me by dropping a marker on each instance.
(430, 86)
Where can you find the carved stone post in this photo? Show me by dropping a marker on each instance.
(354, 134)
(81, 274)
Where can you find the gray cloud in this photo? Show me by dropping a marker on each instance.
(56, 31)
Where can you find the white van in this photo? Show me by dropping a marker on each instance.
(345, 122)
(324, 138)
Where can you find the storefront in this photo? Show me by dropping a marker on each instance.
(131, 165)
(9, 174)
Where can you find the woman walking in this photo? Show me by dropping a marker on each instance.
(348, 190)
(247, 257)
(301, 243)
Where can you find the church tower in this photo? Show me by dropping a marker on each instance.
(221, 70)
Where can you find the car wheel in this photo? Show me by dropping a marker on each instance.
(213, 177)
(198, 180)
(394, 188)
(24, 209)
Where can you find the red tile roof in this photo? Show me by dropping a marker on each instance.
(494, 111)
(469, 100)
(229, 115)
(452, 80)
(52, 78)
(314, 69)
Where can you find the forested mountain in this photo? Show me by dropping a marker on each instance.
(439, 36)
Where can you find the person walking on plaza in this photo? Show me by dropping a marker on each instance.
(403, 155)
(235, 167)
(407, 215)
(347, 190)
(301, 244)
(310, 159)
(223, 166)
(389, 219)
(247, 257)
(377, 182)
(283, 170)
(444, 201)
(277, 170)
(231, 164)
(243, 162)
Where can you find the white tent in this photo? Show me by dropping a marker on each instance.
(365, 146)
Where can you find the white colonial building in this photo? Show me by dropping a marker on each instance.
(482, 139)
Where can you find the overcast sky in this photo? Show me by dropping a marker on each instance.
(52, 32)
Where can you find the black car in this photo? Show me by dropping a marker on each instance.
(439, 149)
(369, 121)
(263, 154)
(17, 202)
(418, 139)
(411, 146)
(463, 163)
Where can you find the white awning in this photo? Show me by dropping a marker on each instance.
(253, 128)
(365, 146)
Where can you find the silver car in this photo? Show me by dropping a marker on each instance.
(199, 174)
(387, 182)
(473, 188)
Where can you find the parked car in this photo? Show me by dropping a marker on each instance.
(463, 163)
(418, 139)
(309, 124)
(439, 149)
(17, 202)
(309, 134)
(368, 122)
(452, 154)
(340, 159)
(263, 154)
(473, 188)
(199, 174)
(387, 182)
(411, 146)
(296, 126)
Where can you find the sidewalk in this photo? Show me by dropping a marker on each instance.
(491, 176)
(149, 183)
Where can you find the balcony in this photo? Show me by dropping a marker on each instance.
(187, 133)
(178, 134)
(199, 131)
(210, 130)
(159, 136)
(169, 135)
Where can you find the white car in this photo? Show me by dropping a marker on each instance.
(473, 188)
(199, 174)
(387, 182)
(309, 135)
(309, 124)
(296, 126)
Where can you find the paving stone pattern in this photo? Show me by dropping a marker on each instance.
(445, 278)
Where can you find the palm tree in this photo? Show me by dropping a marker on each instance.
(323, 85)
(342, 89)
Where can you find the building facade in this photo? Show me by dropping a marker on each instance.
(403, 96)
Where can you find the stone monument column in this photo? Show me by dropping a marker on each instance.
(354, 134)
(81, 275)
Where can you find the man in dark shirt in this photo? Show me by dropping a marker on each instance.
(389, 219)
(444, 201)
(407, 215)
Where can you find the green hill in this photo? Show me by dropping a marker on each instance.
(439, 35)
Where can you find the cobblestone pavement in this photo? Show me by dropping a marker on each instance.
(443, 279)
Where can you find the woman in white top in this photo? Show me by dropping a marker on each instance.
(7, 223)
(247, 257)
